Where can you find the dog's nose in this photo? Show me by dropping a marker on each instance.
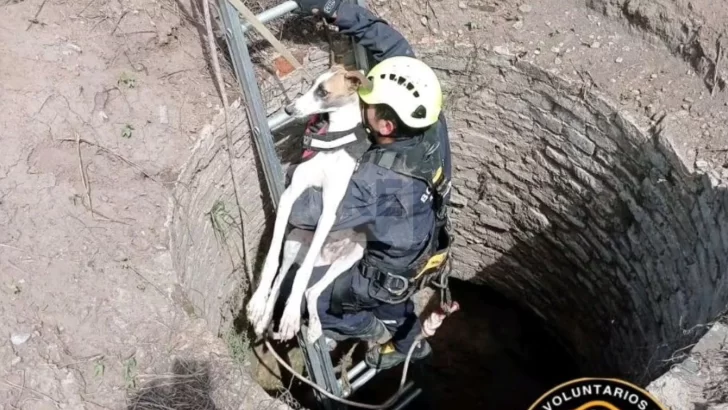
(289, 109)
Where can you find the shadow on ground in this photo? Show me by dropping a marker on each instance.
(187, 387)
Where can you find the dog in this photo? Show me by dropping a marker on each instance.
(334, 93)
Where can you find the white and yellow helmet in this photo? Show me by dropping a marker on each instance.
(407, 85)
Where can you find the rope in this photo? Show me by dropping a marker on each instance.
(418, 339)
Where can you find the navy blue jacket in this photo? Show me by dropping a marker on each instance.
(393, 210)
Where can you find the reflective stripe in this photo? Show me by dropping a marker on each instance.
(320, 144)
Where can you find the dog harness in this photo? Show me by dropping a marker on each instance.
(354, 141)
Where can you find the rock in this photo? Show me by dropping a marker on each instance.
(686, 106)
(462, 5)
(74, 47)
(502, 50)
(688, 100)
(619, 60)
(557, 61)
(15, 361)
(460, 32)
(120, 256)
(537, 51)
(525, 8)
(518, 25)
(423, 20)
(595, 44)
(488, 8)
(163, 115)
(555, 49)
(19, 338)
(702, 165)
(724, 174)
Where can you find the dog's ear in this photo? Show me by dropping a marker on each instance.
(356, 79)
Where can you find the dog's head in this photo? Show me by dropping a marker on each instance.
(333, 89)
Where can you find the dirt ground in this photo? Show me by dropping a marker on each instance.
(100, 104)
(86, 308)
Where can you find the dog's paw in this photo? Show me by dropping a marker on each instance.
(314, 330)
(260, 328)
(256, 308)
(290, 322)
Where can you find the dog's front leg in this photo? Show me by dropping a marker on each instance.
(257, 304)
(291, 319)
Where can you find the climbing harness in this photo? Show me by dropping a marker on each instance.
(317, 138)
(432, 268)
(327, 387)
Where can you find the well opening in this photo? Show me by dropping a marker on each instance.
(569, 216)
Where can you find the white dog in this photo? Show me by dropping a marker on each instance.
(334, 93)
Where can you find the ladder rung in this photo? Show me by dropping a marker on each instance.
(356, 370)
(279, 120)
(360, 381)
(273, 13)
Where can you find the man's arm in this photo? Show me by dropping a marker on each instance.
(371, 32)
(357, 208)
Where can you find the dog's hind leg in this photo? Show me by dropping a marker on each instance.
(257, 304)
(341, 264)
(332, 195)
(294, 248)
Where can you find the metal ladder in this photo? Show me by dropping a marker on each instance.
(317, 358)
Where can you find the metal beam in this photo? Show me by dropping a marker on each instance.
(245, 72)
(320, 369)
(273, 13)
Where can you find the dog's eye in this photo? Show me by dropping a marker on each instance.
(321, 91)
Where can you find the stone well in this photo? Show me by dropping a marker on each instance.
(563, 204)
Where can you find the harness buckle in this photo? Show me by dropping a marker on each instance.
(395, 284)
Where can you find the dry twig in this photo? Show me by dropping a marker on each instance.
(85, 8)
(84, 177)
(35, 20)
(36, 392)
(263, 30)
(124, 13)
(112, 153)
(20, 395)
(4, 245)
(716, 66)
(161, 292)
(86, 185)
(225, 105)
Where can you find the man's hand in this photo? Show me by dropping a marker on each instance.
(326, 8)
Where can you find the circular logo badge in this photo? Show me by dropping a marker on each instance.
(597, 394)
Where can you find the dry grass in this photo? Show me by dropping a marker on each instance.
(187, 387)
(716, 391)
